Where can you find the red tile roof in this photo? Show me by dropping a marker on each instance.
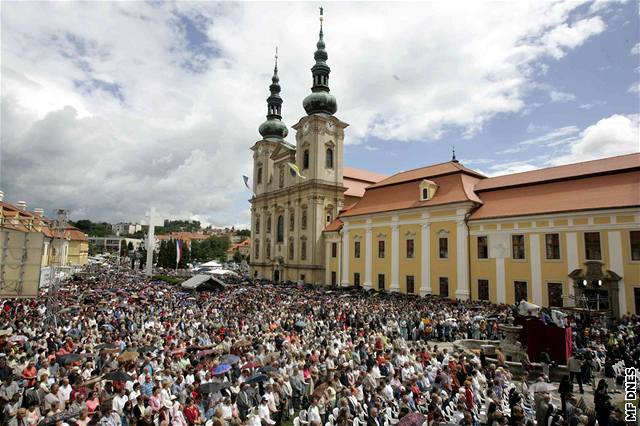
(583, 193)
(427, 172)
(405, 193)
(334, 225)
(357, 180)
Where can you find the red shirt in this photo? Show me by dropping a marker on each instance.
(192, 413)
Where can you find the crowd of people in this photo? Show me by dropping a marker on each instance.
(124, 350)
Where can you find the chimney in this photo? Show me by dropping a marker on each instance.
(38, 212)
(1, 196)
(22, 205)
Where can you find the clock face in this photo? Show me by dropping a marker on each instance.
(330, 126)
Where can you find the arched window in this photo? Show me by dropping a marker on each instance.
(292, 221)
(328, 161)
(305, 159)
(425, 193)
(259, 178)
(280, 229)
(303, 221)
(303, 250)
(257, 224)
(291, 248)
(268, 243)
(268, 224)
(257, 249)
(281, 177)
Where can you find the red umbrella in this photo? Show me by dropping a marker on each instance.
(250, 365)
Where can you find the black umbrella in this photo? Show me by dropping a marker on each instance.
(267, 369)
(145, 349)
(212, 387)
(258, 378)
(230, 359)
(68, 358)
(118, 376)
(105, 346)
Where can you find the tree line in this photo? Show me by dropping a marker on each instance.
(213, 248)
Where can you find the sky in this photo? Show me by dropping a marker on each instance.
(111, 108)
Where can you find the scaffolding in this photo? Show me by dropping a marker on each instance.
(52, 298)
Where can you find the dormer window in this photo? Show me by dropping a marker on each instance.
(428, 190)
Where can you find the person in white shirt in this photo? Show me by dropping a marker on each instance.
(119, 401)
(313, 415)
(264, 413)
(64, 393)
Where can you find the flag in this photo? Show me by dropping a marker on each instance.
(178, 252)
(246, 183)
(296, 170)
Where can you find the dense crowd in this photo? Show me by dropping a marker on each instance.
(123, 350)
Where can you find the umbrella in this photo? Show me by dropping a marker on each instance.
(242, 343)
(145, 349)
(250, 365)
(108, 327)
(258, 378)
(128, 356)
(118, 376)
(19, 338)
(412, 419)
(69, 358)
(267, 369)
(212, 387)
(319, 390)
(205, 352)
(74, 332)
(300, 324)
(221, 369)
(230, 359)
(105, 346)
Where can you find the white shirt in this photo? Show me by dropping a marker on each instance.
(119, 402)
(314, 414)
(265, 414)
(65, 392)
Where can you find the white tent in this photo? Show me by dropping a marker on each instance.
(199, 280)
(211, 264)
(220, 272)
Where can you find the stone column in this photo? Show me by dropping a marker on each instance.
(368, 261)
(462, 260)
(536, 268)
(327, 263)
(345, 256)
(425, 259)
(615, 263)
(395, 255)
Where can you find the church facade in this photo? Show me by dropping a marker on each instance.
(566, 236)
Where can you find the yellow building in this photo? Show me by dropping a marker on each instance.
(563, 236)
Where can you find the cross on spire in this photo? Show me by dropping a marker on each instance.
(453, 158)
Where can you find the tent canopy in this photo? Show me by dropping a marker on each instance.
(202, 282)
(211, 264)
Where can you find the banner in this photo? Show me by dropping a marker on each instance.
(20, 261)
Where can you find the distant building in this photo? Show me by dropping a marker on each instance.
(186, 237)
(112, 243)
(243, 247)
(126, 228)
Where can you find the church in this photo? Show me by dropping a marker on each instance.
(566, 236)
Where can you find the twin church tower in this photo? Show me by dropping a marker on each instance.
(290, 211)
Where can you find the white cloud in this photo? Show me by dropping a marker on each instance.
(371, 148)
(634, 88)
(110, 107)
(611, 136)
(635, 50)
(557, 96)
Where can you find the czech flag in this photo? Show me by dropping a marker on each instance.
(178, 251)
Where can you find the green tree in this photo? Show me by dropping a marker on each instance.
(237, 256)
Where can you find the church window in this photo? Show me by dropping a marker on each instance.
(292, 221)
(268, 224)
(268, 249)
(305, 159)
(259, 179)
(280, 229)
(257, 224)
(257, 248)
(303, 221)
(303, 250)
(329, 159)
(425, 193)
(291, 248)
(281, 177)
